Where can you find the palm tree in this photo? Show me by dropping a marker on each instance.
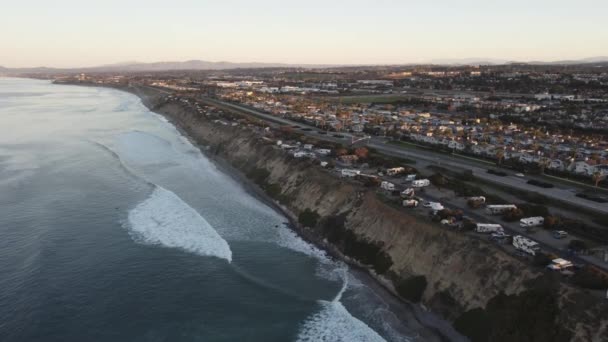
(597, 177)
(500, 154)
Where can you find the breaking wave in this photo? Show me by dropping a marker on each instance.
(334, 323)
(164, 219)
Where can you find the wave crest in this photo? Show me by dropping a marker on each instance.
(165, 219)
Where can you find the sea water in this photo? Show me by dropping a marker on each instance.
(114, 227)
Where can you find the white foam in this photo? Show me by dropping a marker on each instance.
(164, 219)
(334, 323)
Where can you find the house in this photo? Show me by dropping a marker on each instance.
(557, 164)
(348, 159)
(455, 145)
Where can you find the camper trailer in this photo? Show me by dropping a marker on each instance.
(525, 245)
(420, 183)
(488, 228)
(531, 221)
(499, 209)
(388, 186)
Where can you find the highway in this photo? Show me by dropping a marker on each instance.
(559, 193)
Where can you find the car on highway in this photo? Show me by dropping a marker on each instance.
(520, 175)
(497, 172)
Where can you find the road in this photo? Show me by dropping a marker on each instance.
(558, 193)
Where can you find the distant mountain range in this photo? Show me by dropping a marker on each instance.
(206, 65)
(494, 61)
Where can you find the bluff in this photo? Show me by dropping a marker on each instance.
(488, 294)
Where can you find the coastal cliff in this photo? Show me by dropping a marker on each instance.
(487, 293)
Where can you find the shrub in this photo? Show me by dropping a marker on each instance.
(365, 251)
(590, 277)
(475, 324)
(513, 215)
(533, 210)
(551, 222)
(308, 218)
(438, 180)
(577, 245)
(412, 288)
(527, 316)
(258, 175)
(273, 190)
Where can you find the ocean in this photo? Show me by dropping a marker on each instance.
(114, 227)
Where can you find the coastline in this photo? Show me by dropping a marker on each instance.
(400, 307)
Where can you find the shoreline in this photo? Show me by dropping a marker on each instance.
(401, 308)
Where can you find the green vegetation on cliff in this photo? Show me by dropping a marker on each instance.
(366, 252)
(529, 316)
(412, 288)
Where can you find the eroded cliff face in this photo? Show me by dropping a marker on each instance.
(462, 275)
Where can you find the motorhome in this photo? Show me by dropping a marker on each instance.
(499, 209)
(387, 186)
(395, 171)
(421, 183)
(488, 228)
(525, 245)
(349, 172)
(531, 221)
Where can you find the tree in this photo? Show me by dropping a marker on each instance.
(578, 245)
(551, 222)
(500, 154)
(438, 180)
(362, 152)
(341, 152)
(597, 177)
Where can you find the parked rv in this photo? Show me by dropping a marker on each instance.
(525, 245)
(408, 193)
(488, 228)
(349, 173)
(478, 199)
(531, 221)
(500, 237)
(559, 264)
(419, 183)
(499, 209)
(388, 186)
(559, 234)
(395, 171)
(410, 203)
(435, 206)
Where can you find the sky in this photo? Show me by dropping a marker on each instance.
(80, 33)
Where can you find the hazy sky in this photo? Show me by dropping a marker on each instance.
(65, 33)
